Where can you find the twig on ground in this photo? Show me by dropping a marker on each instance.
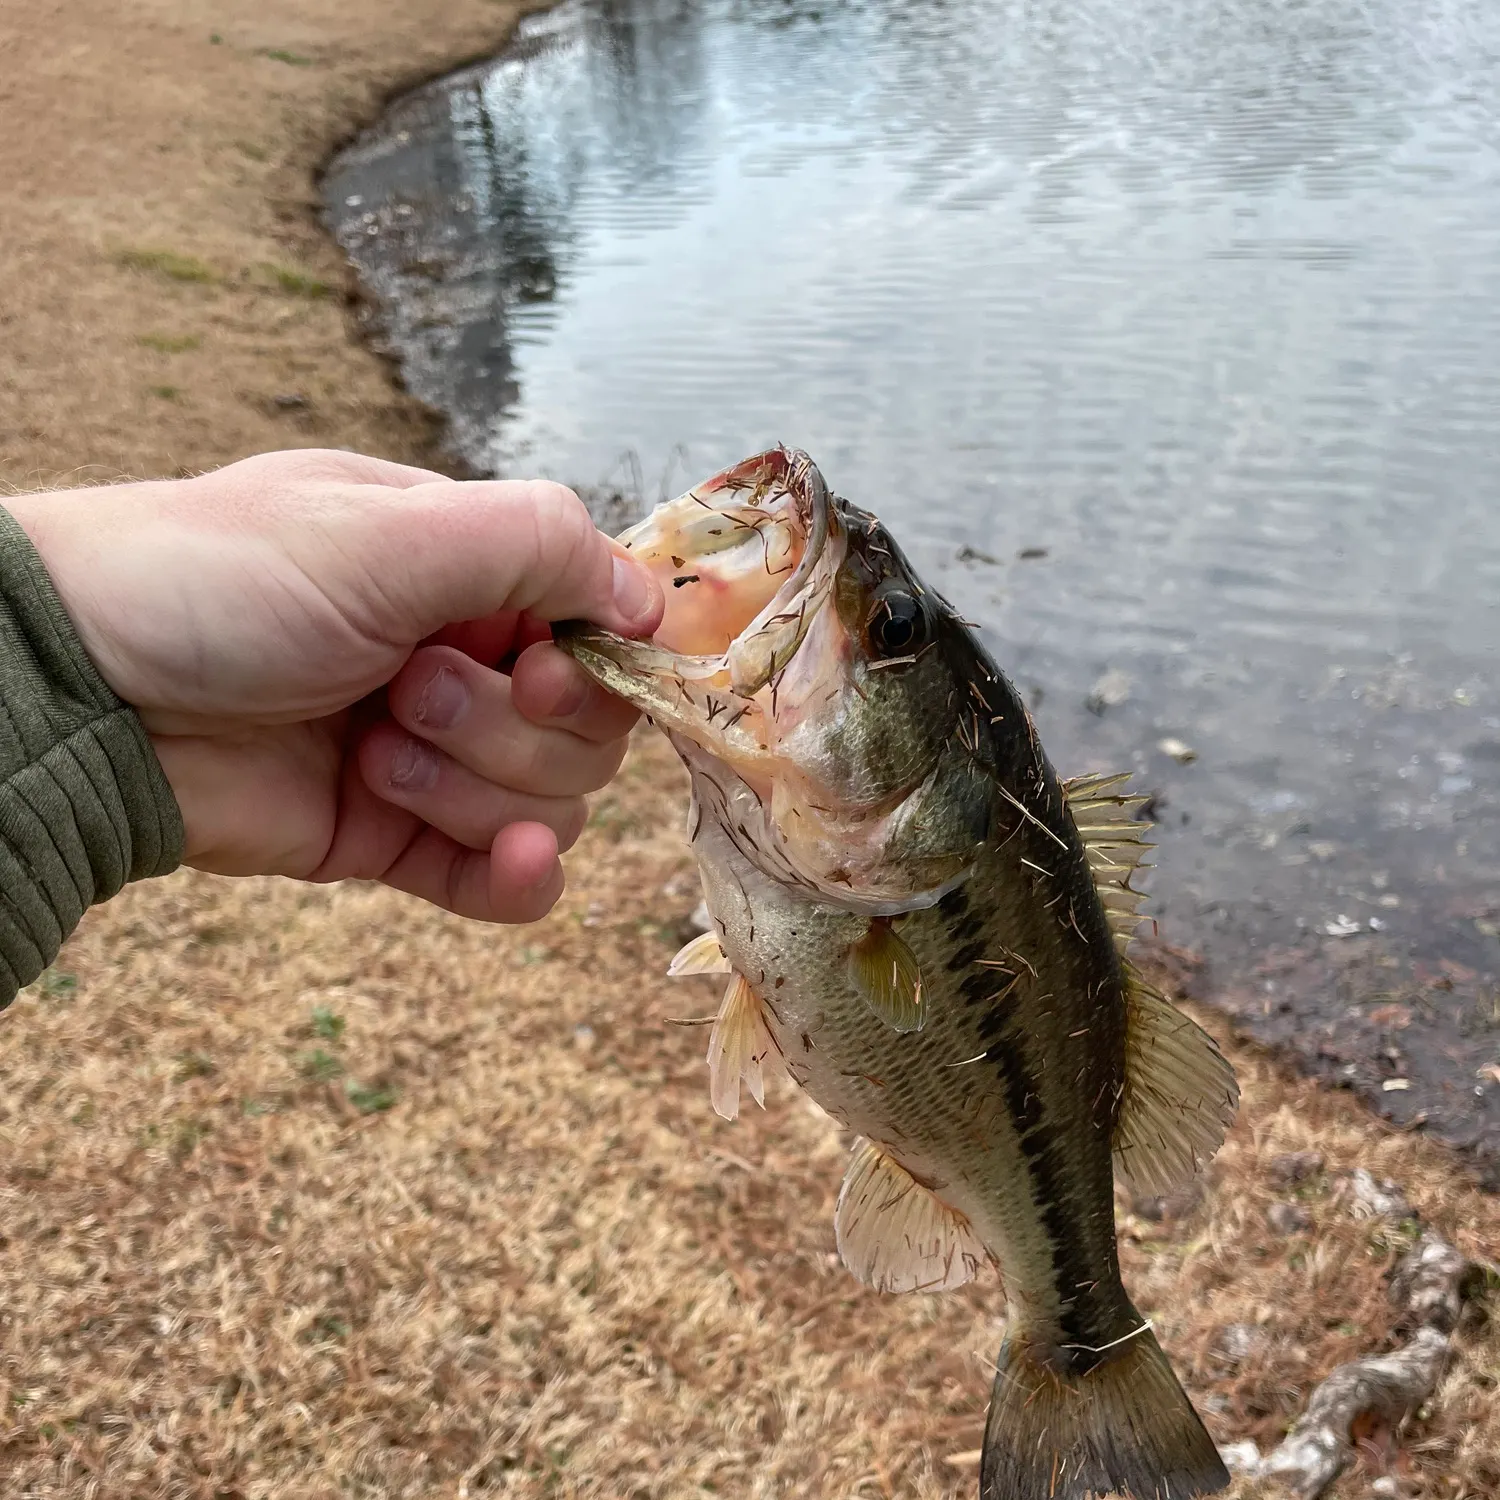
(1428, 1285)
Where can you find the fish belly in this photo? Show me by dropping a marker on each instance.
(924, 1097)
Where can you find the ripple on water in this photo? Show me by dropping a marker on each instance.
(1204, 299)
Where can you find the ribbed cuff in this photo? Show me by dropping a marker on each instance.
(84, 803)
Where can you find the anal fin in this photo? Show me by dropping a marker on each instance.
(884, 970)
(1180, 1093)
(740, 1047)
(704, 955)
(898, 1236)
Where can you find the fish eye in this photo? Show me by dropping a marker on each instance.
(897, 625)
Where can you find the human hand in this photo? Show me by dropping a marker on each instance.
(310, 640)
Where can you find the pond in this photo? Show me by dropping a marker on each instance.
(1165, 337)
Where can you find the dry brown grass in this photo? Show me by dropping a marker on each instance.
(548, 1268)
(159, 234)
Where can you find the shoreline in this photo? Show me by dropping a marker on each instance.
(1398, 1012)
(313, 1188)
(176, 301)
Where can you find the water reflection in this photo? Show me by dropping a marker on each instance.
(1202, 299)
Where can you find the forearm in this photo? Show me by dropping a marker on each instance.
(84, 806)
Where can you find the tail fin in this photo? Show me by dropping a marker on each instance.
(1125, 1427)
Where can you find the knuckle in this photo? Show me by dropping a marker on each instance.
(565, 531)
(540, 768)
(613, 758)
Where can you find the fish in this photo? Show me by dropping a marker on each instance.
(925, 929)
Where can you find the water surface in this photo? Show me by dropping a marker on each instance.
(1166, 337)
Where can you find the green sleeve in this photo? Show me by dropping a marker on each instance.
(84, 804)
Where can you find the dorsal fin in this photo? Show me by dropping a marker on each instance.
(1113, 840)
(1180, 1093)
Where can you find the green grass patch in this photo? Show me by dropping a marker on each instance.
(370, 1099)
(327, 1023)
(166, 392)
(186, 1134)
(328, 1328)
(168, 263)
(170, 343)
(57, 984)
(319, 1065)
(295, 283)
(282, 55)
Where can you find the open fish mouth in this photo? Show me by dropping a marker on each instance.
(804, 676)
(747, 560)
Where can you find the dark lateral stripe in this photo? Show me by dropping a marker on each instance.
(980, 986)
(1049, 1173)
(969, 954)
(967, 928)
(961, 925)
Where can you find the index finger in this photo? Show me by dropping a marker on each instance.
(463, 551)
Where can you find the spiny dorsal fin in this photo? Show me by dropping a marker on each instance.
(739, 1047)
(898, 1236)
(1112, 839)
(704, 955)
(884, 970)
(1180, 1093)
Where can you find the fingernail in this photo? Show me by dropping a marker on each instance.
(632, 588)
(443, 701)
(414, 768)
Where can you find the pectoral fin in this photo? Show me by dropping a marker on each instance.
(739, 1047)
(898, 1236)
(884, 970)
(1180, 1093)
(703, 955)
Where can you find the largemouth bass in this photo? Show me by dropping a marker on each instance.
(926, 929)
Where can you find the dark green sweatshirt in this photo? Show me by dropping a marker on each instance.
(84, 805)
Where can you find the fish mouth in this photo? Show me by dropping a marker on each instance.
(747, 560)
(827, 773)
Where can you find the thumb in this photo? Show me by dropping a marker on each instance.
(445, 552)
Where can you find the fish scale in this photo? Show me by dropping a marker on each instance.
(927, 1110)
(922, 932)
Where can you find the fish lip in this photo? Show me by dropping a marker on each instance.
(795, 473)
(642, 656)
